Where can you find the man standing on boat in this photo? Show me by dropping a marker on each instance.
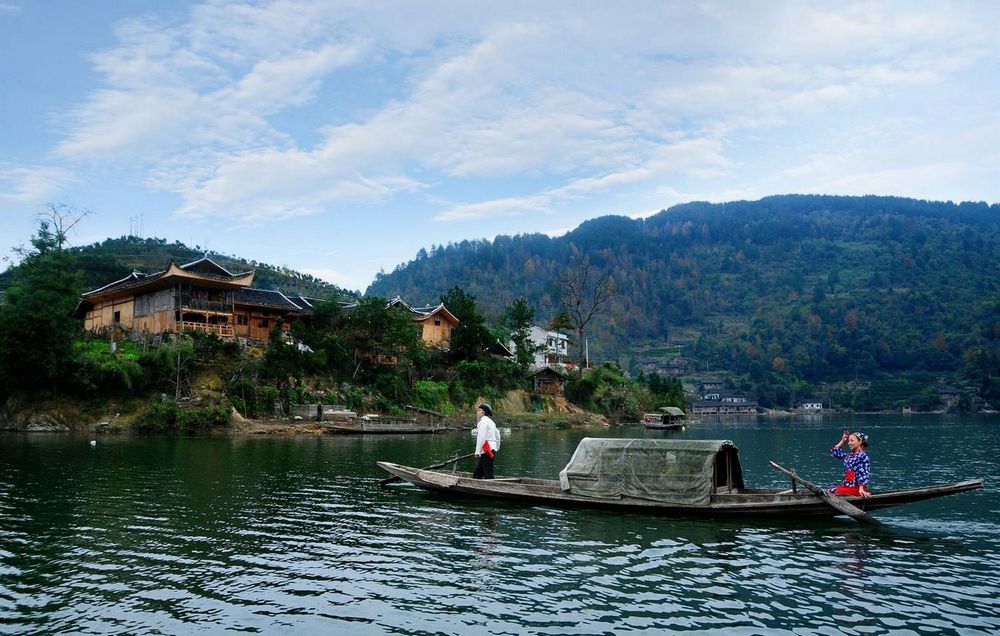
(487, 442)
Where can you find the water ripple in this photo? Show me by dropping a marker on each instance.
(285, 535)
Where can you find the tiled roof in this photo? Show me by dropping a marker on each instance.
(204, 267)
(265, 298)
(419, 313)
(560, 371)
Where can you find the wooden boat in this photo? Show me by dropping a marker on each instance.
(654, 422)
(713, 488)
(376, 425)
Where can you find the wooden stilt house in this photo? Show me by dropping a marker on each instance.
(200, 295)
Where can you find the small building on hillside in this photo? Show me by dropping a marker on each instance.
(551, 347)
(436, 323)
(717, 401)
(706, 385)
(548, 379)
(200, 295)
(949, 396)
(811, 405)
(718, 407)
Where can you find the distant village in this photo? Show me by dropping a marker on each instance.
(204, 296)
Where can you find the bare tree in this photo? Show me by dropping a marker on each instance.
(586, 289)
(54, 223)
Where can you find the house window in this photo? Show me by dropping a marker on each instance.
(118, 317)
(263, 324)
(242, 320)
(437, 323)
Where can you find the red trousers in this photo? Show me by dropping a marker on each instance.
(847, 490)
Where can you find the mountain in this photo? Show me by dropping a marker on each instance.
(115, 258)
(784, 295)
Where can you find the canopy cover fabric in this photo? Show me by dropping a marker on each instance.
(674, 471)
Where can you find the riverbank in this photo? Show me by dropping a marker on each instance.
(515, 410)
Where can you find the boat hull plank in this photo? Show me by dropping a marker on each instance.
(747, 502)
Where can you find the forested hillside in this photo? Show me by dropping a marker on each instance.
(115, 258)
(878, 301)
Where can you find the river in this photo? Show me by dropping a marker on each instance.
(272, 534)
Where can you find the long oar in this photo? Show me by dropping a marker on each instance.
(836, 502)
(389, 480)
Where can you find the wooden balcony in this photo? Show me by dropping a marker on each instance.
(223, 331)
(199, 304)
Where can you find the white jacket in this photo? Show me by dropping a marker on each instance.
(486, 431)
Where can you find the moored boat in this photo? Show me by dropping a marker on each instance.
(380, 424)
(670, 477)
(669, 418)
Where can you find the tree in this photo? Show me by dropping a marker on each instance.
(519, 317)
(585, 291)
(470, 340)
(560, 322)
(37, 327)
(380, 335)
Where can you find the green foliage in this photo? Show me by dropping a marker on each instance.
(170, 366)
(160, 417)
(664, 391)
(489, 376)
(785, 294)
(100, 370)
(518, 319)
(281, 360)
(37, 327)
(202, 420)
(166, 416)
(211, 345)
(253, 400)
(605, 389)
(433, 395)
(114, 258)
(470, 340)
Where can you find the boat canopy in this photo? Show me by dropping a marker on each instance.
(674, 471)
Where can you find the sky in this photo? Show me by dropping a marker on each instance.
(339, 138)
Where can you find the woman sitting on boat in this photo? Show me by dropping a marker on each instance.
(857, 465)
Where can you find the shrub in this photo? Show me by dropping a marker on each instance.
(203, 419)
(432, 395)
(252, 400)
(160, 417)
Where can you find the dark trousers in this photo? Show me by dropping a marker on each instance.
(484, 467)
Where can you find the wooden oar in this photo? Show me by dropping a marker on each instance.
(838, 503)
(389, 480)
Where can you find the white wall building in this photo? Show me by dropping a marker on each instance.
(554, 346)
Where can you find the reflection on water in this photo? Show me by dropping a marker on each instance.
(258, 534)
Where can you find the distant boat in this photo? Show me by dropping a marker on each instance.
(668, 418)
(380, 424)
(664, 477)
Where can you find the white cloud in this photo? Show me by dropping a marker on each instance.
(564, 105)
(513, 206)
(33, 184)
(332, 276)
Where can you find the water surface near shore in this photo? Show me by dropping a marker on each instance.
(290, 534)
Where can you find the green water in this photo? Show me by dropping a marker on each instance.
(291, 535)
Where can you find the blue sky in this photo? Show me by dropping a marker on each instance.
(338, 138)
